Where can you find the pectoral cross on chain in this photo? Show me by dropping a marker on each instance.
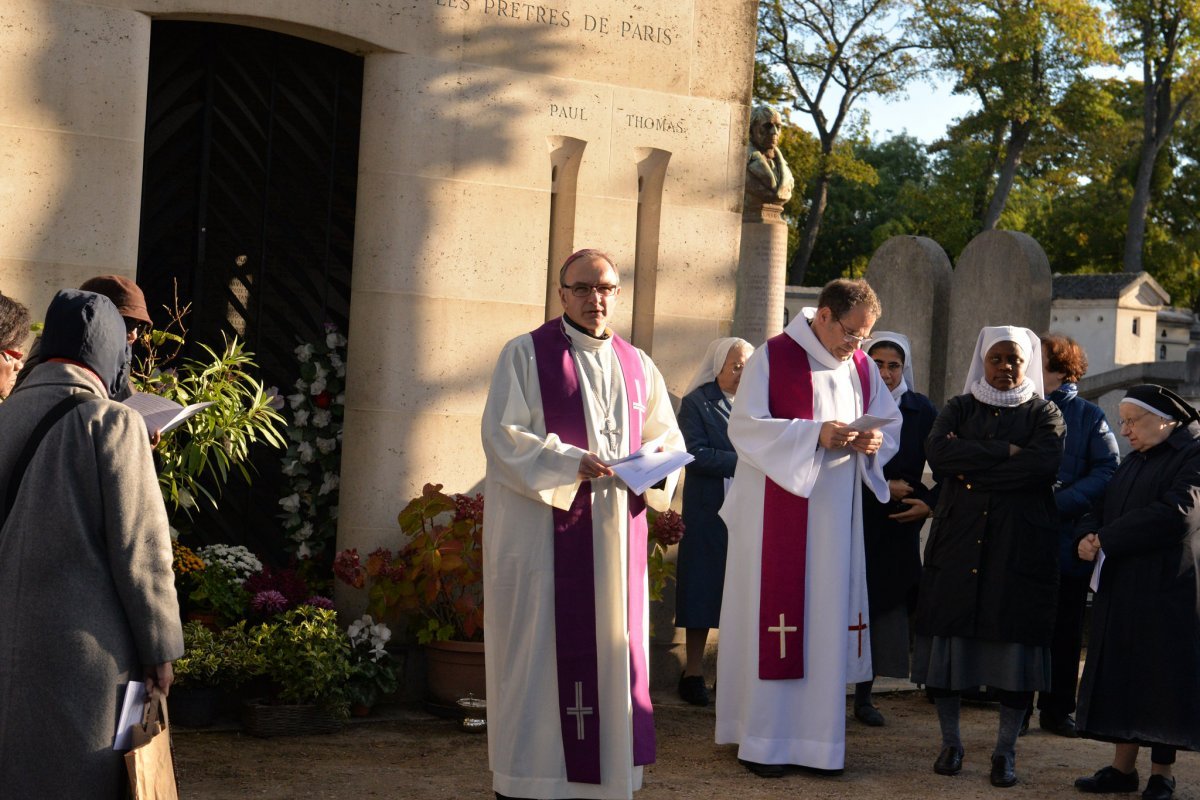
(782, 630)
(612, 433)
(579, 711)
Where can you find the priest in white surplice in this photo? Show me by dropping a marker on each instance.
(564, 545)
(795, 627)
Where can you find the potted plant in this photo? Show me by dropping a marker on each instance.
(306, 658)
(217, 596)
(372, 674)
(213, 664)
(436, 582)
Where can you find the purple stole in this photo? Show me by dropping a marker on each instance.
(785, 518)
(574, 567)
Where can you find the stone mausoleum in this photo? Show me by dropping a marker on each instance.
(411, 170)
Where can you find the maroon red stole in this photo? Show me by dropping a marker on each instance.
(785, 518)
(574, 565)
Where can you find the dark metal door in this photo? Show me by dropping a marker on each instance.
(248, 197)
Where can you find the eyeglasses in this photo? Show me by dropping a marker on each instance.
(857, 341)
(1129, 422)
(586, 289)
(15, 355)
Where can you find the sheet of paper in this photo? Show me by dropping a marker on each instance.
(867, 422)
(131, 714)
(1094, 583)
(161, 414)
(649, 447)
(648, 469)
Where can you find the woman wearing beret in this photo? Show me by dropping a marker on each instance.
(1141, 682)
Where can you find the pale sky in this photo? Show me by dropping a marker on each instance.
(925, 113)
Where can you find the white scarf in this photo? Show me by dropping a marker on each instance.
(987, 394)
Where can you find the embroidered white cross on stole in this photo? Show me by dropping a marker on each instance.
(782, 629)
(579, 711)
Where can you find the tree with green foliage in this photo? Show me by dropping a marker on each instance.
(1164, 35)
(1018, 58)
(826, 54)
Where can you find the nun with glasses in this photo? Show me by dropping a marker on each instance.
(989, 585)
(1141, 681)
(700, 577)
(892, 530)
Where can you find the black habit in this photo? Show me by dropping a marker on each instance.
(1141, 682)
(894, 548)
(991, 562)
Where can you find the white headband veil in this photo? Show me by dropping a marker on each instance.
(1025, 339)
(714, 359)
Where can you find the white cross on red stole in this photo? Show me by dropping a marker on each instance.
(782, 629)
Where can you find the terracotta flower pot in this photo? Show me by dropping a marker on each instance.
(454, 670)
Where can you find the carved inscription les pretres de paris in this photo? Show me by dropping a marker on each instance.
(630, 28)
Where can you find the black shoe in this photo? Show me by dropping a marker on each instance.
(1059, 726)
(1159, 787)
(869, 715)
(763, 770)
(949, 761)
(693, 690)
(1108, 781)
(1004, 771)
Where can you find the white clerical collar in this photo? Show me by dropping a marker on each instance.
(583, 341)
(802, 332)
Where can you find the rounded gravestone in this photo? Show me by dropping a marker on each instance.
(1001, 278)
(911, 275)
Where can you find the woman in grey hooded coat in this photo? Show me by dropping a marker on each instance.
(85, 563)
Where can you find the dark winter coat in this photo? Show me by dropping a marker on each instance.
(700, 571)
(991, 562)
(1089, 460)
(894, 548)
(1141, 681)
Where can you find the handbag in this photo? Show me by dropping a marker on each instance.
(149, 764)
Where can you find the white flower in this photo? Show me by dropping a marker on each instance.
(301, 418)
(329, 484)
(296, 400)
(305, 352)
(185, 499)
(301, 384)
(291, 503)
(304, 532)
(305, 451)
(341, 398)
(321, 418)
(340, 371)
(334, 339)
(292, 468)
(317, 387)
(335, 360)
(303, 550)
(321, 372)
(356, 627)
(326, 445)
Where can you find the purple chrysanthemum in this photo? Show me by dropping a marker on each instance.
(319, 601)
(268, 603)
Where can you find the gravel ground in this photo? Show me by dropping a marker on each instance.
(404, 753)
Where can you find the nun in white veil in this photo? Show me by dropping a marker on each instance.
(700, 570)
(892, 531)
(989, 585)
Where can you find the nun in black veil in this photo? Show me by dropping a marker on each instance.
(1141, 682)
